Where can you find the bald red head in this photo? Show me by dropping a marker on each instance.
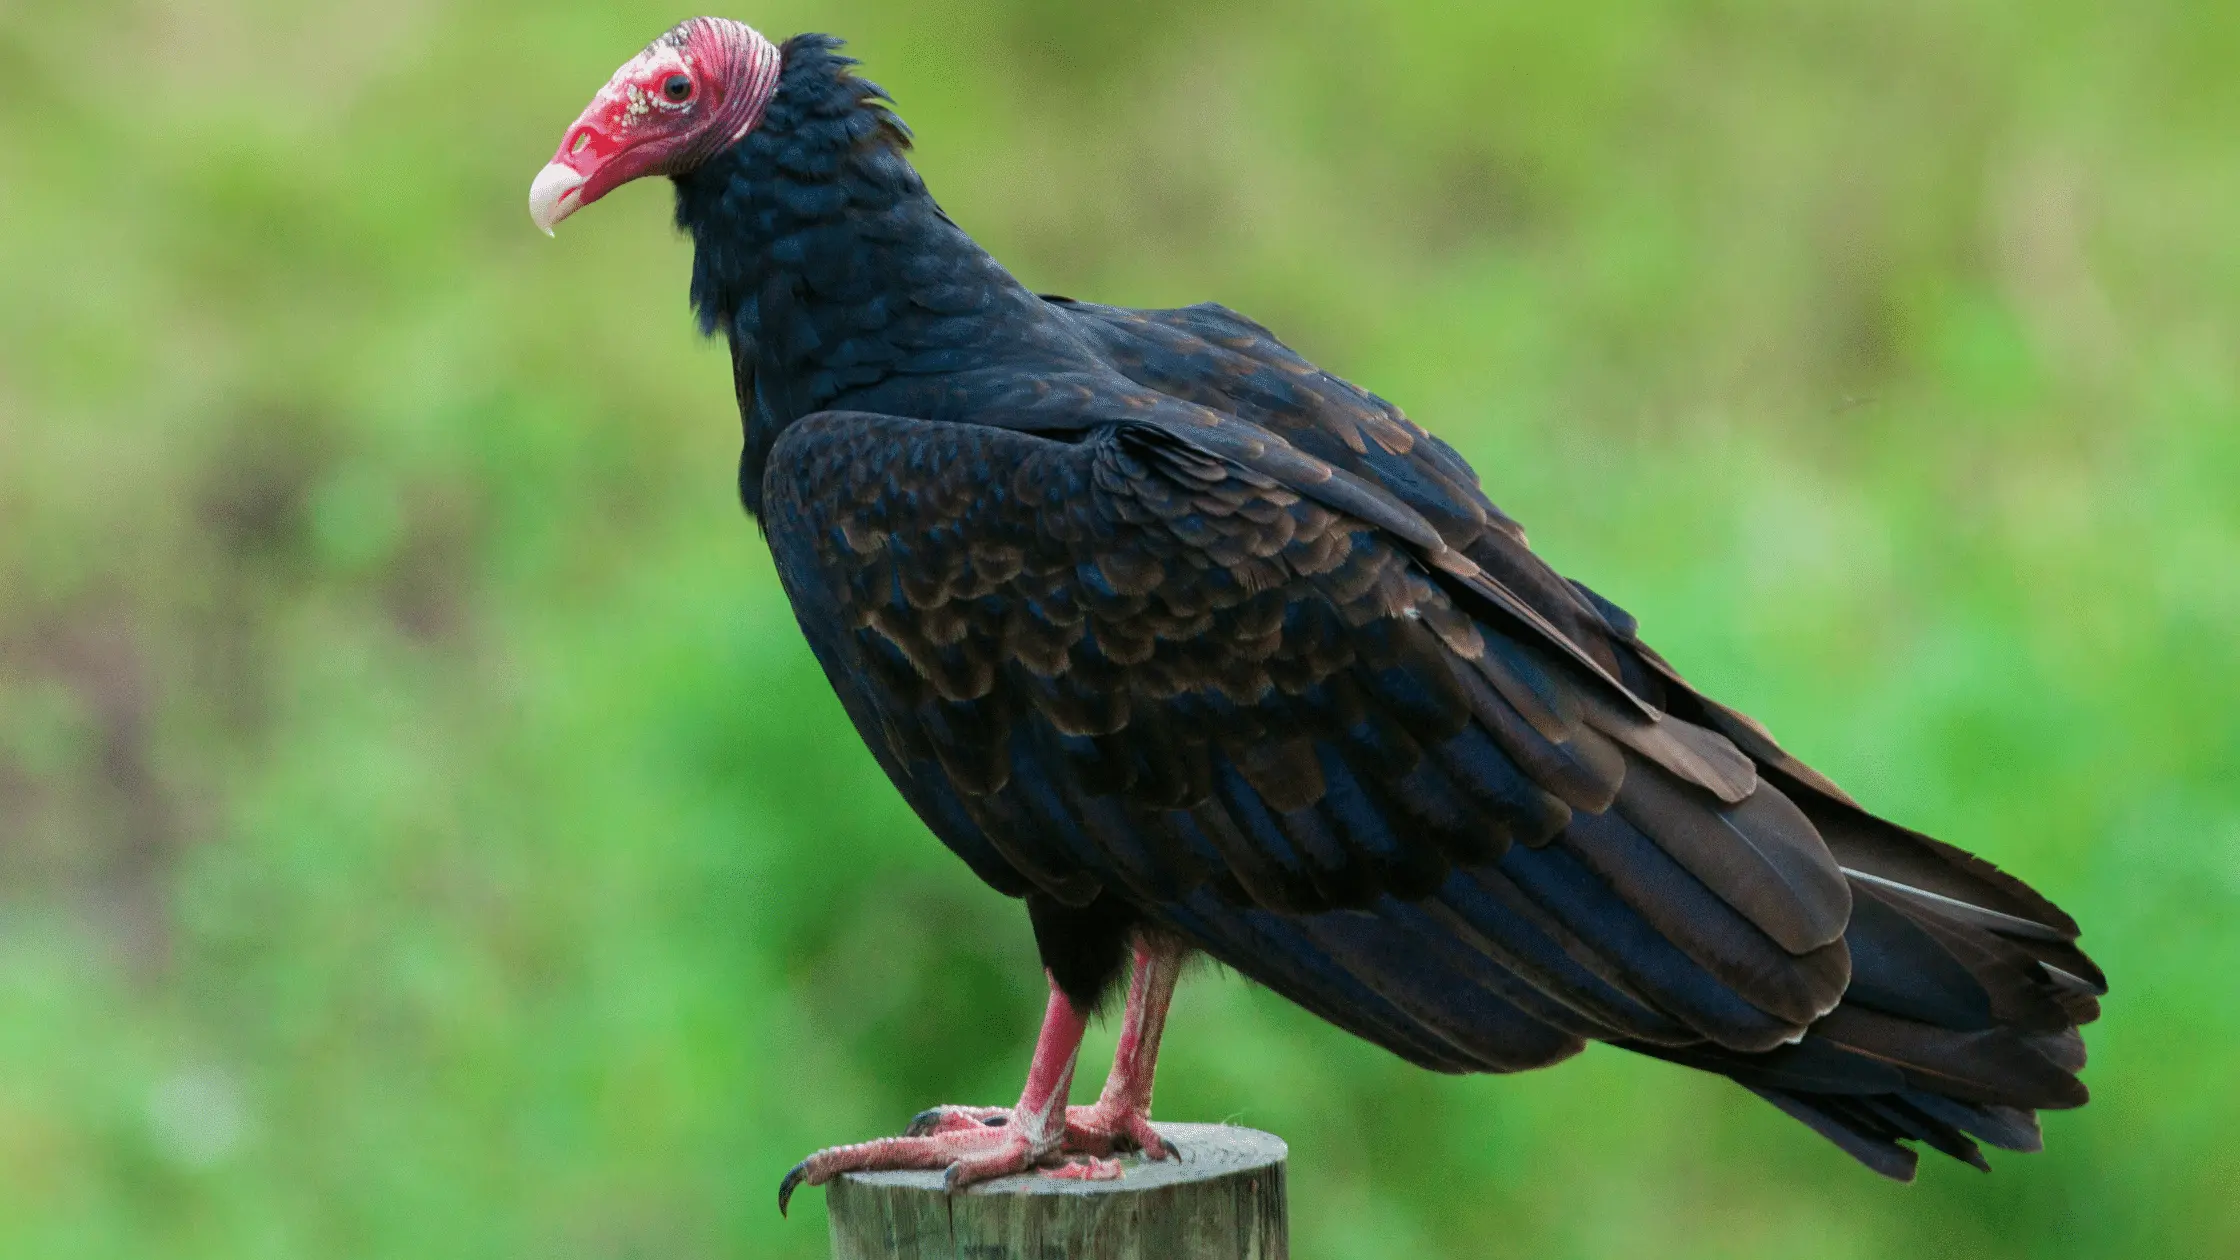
(691, 94)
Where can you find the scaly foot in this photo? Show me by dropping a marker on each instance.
(973, 1144)
(1102, 1129)
(979, 1143)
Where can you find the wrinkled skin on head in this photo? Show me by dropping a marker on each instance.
(692, 93)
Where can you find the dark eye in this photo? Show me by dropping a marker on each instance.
(677, 87)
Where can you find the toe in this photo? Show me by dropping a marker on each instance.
(1010, 1154)
(1148, 1141)
(963, 1141)
(1103, 1130)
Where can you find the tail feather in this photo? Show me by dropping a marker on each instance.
(1899, 967)
(1994, 1065)
(1863, 1138)
(1966, 885)
(1960, 1022)
(2014, 992)
(1969, 1031)
(2008, 1128)
(2063, 1049)
(1911, 1122)
(2059, 966)
(1871, 1127)
(1872, 849)
(1967, 988)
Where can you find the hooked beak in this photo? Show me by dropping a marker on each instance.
(556, 194)
(599, 153)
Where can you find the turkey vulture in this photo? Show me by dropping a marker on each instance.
(1198, 649)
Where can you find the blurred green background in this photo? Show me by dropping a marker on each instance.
(423, 832)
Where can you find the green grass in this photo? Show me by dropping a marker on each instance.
(423, 833)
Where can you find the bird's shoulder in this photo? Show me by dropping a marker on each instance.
(1213, 356)
(1220, 360)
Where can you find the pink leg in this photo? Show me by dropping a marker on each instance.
(1120, 1120)
(980, 1143)
(1121, 1117)
(987, 1146)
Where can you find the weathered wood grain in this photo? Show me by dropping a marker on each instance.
(1223, 1200)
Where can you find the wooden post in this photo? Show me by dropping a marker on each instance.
(1222, 1200)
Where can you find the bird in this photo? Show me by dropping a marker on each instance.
(1201, 651)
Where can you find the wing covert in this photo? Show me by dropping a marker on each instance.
(1123, 663)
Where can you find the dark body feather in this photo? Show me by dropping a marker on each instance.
(1165, 630)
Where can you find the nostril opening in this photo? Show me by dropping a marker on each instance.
(582, 138)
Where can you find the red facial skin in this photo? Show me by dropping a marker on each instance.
(690, 94)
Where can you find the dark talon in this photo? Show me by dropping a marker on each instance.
(786, 1187)
(995, 1122)
(949, 1178)
(922, 1123)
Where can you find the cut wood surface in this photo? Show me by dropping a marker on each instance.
(1223, 1199)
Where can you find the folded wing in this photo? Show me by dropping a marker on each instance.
(1385, 763)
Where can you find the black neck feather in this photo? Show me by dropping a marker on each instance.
(820, 255)
(828, 153)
